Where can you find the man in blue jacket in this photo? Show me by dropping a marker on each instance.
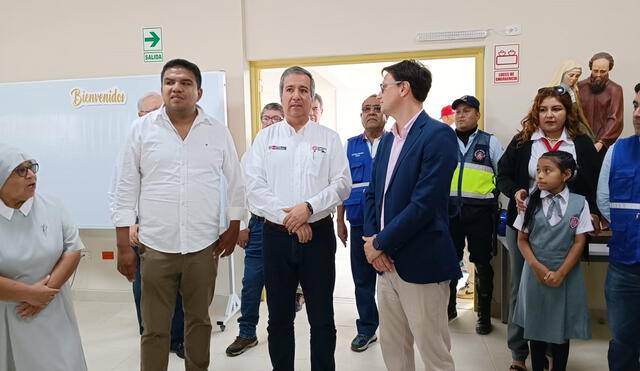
(406, 223)
(361, 150)
(619, 203)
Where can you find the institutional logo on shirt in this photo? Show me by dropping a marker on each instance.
(318, 148)
(573, 222)
(277, 148)
(479, 155)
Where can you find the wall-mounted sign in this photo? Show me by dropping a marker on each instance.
(506, 64)
(81, 97)
(152, 44)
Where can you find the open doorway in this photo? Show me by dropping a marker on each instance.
(344, 82)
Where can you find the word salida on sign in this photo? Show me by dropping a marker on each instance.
(506, 76)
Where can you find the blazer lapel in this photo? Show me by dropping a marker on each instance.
(412, 138)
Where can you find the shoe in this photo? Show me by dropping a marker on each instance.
(241, 345)
(452, 313)
(465, 292)
(178, 350)
(299, 301)
(484, 286)
(361, 342)
(483, 328)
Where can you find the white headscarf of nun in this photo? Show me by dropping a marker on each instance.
(10, 158)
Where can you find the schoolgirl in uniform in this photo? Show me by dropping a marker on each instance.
(552, 300)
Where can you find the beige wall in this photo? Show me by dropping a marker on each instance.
(83, 39)
(553, 30)
(72, 39)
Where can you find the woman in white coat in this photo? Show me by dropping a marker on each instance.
(39, 251)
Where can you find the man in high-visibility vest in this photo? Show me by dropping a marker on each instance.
(619, 203)
(473, 204)
(361, 150)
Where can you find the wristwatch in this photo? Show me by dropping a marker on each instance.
(309, 207)
(376, 244)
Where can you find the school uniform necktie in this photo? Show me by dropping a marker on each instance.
(554, 206)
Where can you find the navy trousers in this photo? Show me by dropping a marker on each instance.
(287, 262)
(364, 278)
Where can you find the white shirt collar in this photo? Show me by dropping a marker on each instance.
(538, 134)
(302, 130)
(7, 212)
(564, 194)
(201, 117)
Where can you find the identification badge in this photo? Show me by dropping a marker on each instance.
(277, 148)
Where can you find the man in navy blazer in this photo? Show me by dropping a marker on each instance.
(406, 224)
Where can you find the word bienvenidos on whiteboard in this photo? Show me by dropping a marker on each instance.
(81, 97)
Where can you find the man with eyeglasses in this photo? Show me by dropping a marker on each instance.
(406, 223)
(361, 150)
(271, 113)
(250, 239)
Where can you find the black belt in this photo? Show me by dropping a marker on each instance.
(282, 228)
(258, 218)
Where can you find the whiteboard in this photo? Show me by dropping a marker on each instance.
(76, 147)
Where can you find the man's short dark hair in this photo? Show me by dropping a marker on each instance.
(273, 107)
(183, 63)
(415, 73)
(297, 70)
(637, 88)
(602, 55)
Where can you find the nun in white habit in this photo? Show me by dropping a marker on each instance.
(39, 251)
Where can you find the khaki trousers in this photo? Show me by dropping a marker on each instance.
(414, 312)
(163, 275)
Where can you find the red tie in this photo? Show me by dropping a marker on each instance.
(549, 148)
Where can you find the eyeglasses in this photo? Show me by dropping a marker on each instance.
(23, 170)
(385, 84)
(272, 118)
(558, 89)
(374, 108)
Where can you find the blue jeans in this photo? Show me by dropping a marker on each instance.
(252, 281)
(177, 323)
(622, 291)
(364, 278)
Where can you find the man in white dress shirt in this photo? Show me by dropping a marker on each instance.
(296, 174)
(171, 172)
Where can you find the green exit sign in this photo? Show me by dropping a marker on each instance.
(152, 44)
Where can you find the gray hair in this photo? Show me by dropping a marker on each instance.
(297, 70)
(273, 107)
(319, 99)
(148, 95)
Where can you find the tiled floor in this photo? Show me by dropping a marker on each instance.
(111, 342)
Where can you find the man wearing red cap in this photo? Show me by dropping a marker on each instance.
(448, 116)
